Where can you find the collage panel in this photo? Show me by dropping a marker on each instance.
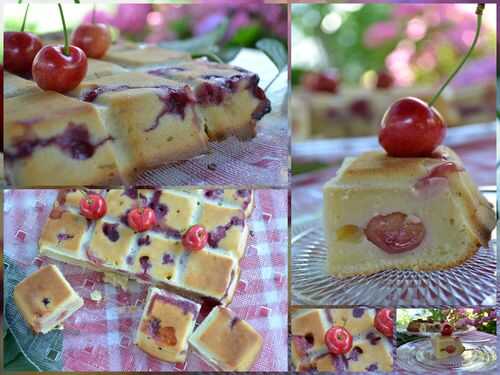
(393, 200)
(86, 293)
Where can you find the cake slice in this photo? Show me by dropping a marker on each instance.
(421, 214)
(226, 341)
(229, 97)
(133, 56)
(166, 324)
(99, 68)
(48, 133)
(46, 299)
(152, 120)
(446, 346)
(15, 86)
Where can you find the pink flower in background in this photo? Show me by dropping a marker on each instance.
(238, 20)
(208, 23)
(379, 33)
(131, 18)
(407, 10)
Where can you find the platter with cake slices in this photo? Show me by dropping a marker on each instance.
(404, 224)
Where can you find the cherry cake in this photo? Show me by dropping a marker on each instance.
(369, 349)
(446, 346)
(46, 299)
(227, 342)
(158, 255)
(419, 213)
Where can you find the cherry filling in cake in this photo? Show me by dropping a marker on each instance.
(361, 108)
(219, 233)
(164, 335)
(74, 142)
(144, 241)
(187, 307)
(174, 101)
(111, 231)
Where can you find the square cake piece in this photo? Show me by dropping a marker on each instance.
(152, 120)
(47, 133)
(421, 214)
(46, 299)
(371, 350)
(230, 99)
(226, 341)
(166, 324)
(14, 85)
(99, 68)
(133, 56)
(446, 346)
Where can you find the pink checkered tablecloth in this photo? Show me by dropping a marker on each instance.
(99, 337)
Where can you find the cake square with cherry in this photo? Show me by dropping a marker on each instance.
(157, 237)
(227, 342)
(143, 114)
(46, 299)
(47, 132)
(229, 97)
(356, 339)
(418, 213)
(446, 346)
(166, 324)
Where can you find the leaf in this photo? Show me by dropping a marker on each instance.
(246, 36)
(275, 50)
(228, 54)
(200, 43)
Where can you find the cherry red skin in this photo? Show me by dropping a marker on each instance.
(93, 39)
(195, 238)
(93, 206)
(338, 340)
(410, 128)
(385, 80)
(53, 70)
(326, 81)
(20, 49)
(446, 329)
(450, 349)
(141, 219)
(384, 322)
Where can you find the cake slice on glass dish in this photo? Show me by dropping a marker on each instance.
(420, 213)
(227, 342)
(166, 324)
(230, 98)
(46, 299)
(152, 120)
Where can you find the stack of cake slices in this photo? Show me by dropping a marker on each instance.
(139, 108)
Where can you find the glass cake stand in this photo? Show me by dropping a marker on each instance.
(417, 356)
(470, 284)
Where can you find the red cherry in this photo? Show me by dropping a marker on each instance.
(450, 349)
(384, 322)
(141, 219)
(446, 329)
(338, 340)
(53, 70)
(20, 48)
(326, 81)
(410, 128)
(93, 206)
(385, 80)
(93, 39)
(195, 238)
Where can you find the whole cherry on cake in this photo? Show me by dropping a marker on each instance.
(446, 329)
(20, 49)
(195, 238)
(141, 219)
(338, 340)
(384, 322)
(94, 38)
(60, 68)
(412, 128)
(93, 206)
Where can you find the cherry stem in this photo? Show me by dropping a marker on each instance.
(93, 15)
(66, 43)
(479, 13)
(25, 16)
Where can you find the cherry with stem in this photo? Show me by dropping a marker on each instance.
(412, 128)
(94, 38)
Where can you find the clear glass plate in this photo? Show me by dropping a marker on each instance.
(417, 356)
(470, 284)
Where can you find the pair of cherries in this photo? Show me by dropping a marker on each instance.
(93, 207)
(58, 68)
(339, 340)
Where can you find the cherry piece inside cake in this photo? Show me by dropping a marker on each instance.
(229, 97)
(153, 120)
(166, 324)
(226, 341)
(46, 299)
(157, 255)
(386, 212)
(370, 349)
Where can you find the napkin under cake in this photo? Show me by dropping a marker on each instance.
(422, 214)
